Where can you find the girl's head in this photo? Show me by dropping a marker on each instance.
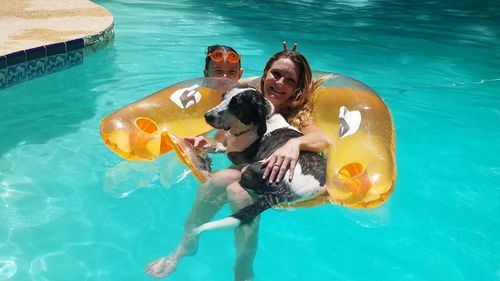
(222, 61)
(287, 83)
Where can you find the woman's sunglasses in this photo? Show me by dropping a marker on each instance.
(219, 55)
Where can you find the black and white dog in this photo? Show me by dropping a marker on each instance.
(254, 133)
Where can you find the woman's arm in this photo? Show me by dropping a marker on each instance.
(314, 139)
(286, 157)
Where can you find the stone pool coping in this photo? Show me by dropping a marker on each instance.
(44, 36)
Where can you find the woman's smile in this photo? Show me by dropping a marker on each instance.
(280, 82)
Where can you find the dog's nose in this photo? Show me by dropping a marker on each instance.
(209, 117)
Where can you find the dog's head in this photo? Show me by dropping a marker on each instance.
(241, 108)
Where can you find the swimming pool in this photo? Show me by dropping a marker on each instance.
(72, 210)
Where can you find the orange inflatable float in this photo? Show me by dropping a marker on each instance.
(153, 126)
(361, 168)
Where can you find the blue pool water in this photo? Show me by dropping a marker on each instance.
(72, 210)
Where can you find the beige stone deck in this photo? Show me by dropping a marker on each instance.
(26, 24)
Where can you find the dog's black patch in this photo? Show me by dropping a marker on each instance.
(250, 108)
(248, 213)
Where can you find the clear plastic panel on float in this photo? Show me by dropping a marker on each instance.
(361, 163)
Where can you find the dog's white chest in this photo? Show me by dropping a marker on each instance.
(277, 121)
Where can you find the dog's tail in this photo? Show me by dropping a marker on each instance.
(242, 217)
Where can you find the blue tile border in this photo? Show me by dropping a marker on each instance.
(73, 45)
(3, 72)
(15, 58)
(56, 49)
(36, 53)
(36, 62)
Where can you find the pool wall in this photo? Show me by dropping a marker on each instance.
(48, 53)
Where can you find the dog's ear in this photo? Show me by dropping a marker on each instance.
(269, 107)
(265, 110)
(262, 127)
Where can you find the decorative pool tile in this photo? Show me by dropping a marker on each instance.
(36, 62)
(16, 67)
(56, 57)
(74, 55)
(3, 72)
(100, 40)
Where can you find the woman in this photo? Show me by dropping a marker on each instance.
(287, 82)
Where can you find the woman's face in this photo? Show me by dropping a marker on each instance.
(224, 69)
(280, 82)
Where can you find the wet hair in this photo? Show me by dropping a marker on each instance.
(297, 111)
(215, 48)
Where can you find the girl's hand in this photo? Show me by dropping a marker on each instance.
(211, 145)
(283, 159)
(198, 141)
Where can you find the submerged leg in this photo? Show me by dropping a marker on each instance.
(246, 236)
(210, 198)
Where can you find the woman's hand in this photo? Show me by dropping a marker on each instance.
(283, 159)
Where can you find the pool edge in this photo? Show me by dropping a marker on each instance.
(28, 64)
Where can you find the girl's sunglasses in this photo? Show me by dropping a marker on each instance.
(219, 55)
